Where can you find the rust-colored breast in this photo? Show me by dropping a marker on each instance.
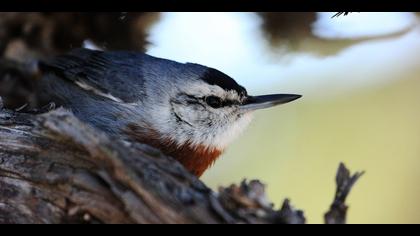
(196, 159)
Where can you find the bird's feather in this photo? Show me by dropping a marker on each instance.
(108, 74)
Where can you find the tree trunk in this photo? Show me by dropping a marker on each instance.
(56, 169)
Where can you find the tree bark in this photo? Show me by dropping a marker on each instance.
(56, 169)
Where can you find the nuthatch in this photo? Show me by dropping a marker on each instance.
(189, 111)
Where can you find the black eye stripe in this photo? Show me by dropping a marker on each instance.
(212, 101)
(190, 97)
(191, 100)
(230, 103)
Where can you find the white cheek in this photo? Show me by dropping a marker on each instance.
(217, 137)
(227, 135)
(179, 132)
(186, 114)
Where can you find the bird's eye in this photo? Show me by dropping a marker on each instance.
(214, 101)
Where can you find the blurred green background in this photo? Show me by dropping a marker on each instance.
(359, 77)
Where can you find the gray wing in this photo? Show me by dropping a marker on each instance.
(114, 75)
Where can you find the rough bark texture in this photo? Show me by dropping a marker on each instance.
(55, 169)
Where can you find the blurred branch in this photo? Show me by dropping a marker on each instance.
(338, 210)
(340, 13)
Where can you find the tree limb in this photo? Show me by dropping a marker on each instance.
(56, 169)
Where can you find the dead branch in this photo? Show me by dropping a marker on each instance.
(56, 169)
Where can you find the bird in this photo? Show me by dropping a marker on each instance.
(189, 111)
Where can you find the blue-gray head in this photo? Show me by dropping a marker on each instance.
(202, 106)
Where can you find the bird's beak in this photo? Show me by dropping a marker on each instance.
(265, 101)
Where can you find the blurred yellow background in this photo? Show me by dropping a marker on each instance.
(359, 77)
